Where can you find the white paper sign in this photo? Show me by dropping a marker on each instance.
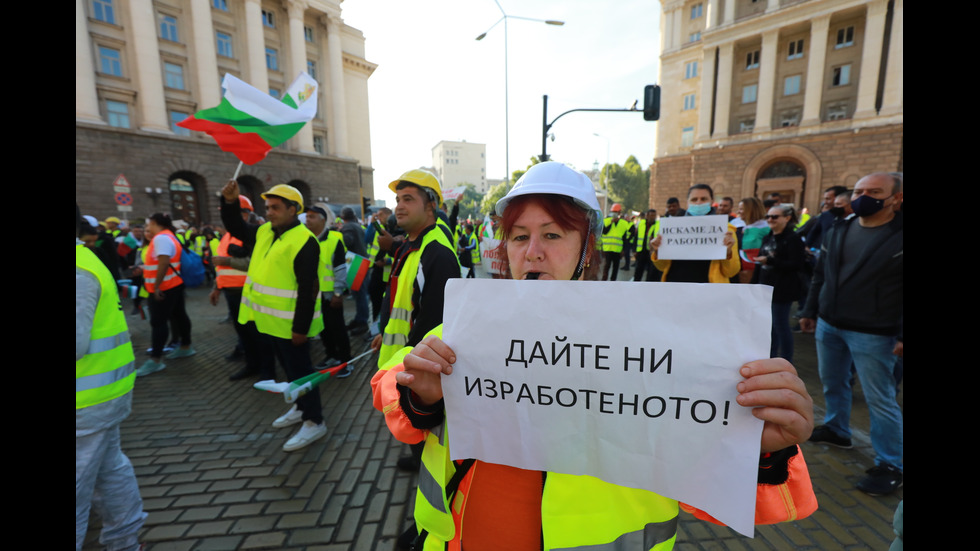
(548, 378)
(693, 237)
(489, 255)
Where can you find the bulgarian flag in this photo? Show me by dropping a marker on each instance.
(487, 226)
(128, 244)
(249, 122)
(357, 270)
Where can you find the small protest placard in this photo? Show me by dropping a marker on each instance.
(544, 380)
(693, 237)
(489, 255)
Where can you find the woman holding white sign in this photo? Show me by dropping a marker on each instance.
(699, 199)
(550, 226)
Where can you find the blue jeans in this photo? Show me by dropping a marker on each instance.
(782, 336)
(875, 364)
(362, 313)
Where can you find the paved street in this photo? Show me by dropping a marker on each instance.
(213, 475)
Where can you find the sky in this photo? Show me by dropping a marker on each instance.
(436, 82)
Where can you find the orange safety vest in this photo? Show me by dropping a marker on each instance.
(226, 276)
(171, 279)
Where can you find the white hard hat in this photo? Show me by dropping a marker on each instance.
(554, 178)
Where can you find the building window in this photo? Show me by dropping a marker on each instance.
(110, 61)
(789, 118)
(837, 111)
(308, 33)
(274, 92)
(691, 69)
(175, 117)
(752, 60)
(173, 76)
(687, 136)
(694, 37)
(168, 28)
(791, 85)
(795, 49)
(842, 75)
(117, 114)
(269, 19)
(688, 102)
(746, 125)
(845, 37)
(271, 59)
(102, 10)
(749, 93)
(224, 44)
(220, 5)
(318, 144)
(697, 10)
(311, 68)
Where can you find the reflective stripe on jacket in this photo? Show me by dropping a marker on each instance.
(171, 279)
(612, 241)
(327, 248)
(270, 292)
(226, 276)
(106, 372)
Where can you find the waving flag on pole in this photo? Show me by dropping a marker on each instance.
(249, 122)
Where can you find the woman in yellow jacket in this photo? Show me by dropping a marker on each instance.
(699, 199)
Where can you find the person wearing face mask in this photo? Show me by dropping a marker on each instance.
(699, 199)
(856, 306)
(550, 226)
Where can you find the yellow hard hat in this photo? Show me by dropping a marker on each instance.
(286, 192)
(421, 178)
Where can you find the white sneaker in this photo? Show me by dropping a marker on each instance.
(305, 436)
(291, 417)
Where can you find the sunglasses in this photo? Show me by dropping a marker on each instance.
(773, 216)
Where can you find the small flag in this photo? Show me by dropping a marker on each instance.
(357, 270)
(249, 122)
(127, 245)
(487, 226)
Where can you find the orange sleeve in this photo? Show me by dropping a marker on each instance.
(387, 401)
(774, 503)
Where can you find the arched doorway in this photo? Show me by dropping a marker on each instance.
(785, 177)
(304, 190)
(251, 187)
(789, 169)
(185, 196)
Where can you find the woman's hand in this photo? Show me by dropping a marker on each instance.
(424, 367)
(655, 242)
(779, 398)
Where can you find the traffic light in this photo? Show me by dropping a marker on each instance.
(365, 205)
(651, 102)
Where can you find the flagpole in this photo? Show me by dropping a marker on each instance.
(237, 170)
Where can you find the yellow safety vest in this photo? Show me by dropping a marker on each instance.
(106, 371)
(613, 240)
(475, 251)
(641, 230)
(399, 324)
(577, 511)
(270, 292)
(327, 249)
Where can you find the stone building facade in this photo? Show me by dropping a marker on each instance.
(144, 65)
(791, 96)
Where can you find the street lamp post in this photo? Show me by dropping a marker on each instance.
(504, 17)
(605, 170)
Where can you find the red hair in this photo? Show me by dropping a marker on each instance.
(569, 217)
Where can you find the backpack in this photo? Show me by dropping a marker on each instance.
(192, 267)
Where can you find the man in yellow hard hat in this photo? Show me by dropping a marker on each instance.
(281, 295)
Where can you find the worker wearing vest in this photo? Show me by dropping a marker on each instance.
(282, 295)
(381, 260)
(614, 231)
(474, 505)
(103, 396)
(469, 250)
(161, 277)
(646, 229)
(333, 281)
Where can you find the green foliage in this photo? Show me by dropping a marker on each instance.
(470, 202)
(516, 175)
(628, 184)
(493, 195)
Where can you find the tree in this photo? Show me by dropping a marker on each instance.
(493, 195)
(628, 184)
(470, 202)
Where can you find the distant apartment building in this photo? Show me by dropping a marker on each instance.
(462, 162)
(141, 66)
(791, 96)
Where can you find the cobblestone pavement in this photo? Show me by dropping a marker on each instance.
(214, 477)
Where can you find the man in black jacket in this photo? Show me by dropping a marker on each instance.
(857, 293)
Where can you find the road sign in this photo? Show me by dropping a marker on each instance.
(121, 184)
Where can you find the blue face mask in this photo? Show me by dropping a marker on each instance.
(699, 210)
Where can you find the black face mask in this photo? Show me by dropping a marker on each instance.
(866, 205)
(838, 212)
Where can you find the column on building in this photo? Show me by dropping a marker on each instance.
(335, 57)
(729, 16)
(678, 23)
(258, 74)
(771, 5)
(723, 103)
(208, 93)
(893, 100)
(816, 59)
(711, 15)
(706, 95)
(86, 96)
(297, 62)
(874, 36)
(767, 81)
(151, 105)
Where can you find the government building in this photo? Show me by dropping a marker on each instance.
(141, 66)
(788, 96)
